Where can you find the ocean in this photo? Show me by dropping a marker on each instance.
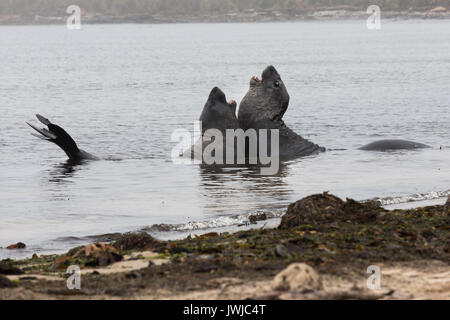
(122, 90)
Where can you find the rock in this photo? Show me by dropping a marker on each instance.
(132, 241)
(309, 209)
(99, 254)
(91, 255)
(297, 277)
(6, 268)
(326, 208)
(18, 245)
(206, 235)
(438, 9)
(60, 264)
(6, 283)
(205, 267)
(254, 218)
(282, 252)
(133, 275)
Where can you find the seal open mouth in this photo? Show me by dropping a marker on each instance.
(254, 81)
(233, 105)
(218, 96)
(269, 74)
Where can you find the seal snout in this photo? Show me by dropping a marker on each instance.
(270, 73)
(217, 95)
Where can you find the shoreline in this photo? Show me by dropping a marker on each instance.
(331, 14)
(174, 232)
(337, 239)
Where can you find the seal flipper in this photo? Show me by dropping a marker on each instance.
(43, 120)
(40, 137)
(61, 138)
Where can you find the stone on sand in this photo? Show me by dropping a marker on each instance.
(6, 283)
(297, 277)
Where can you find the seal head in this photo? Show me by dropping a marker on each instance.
(218, 113)
(267, 99)
(264, 106)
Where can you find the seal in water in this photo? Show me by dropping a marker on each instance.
(391, 145)
(60, 137)
(217, 114)
(264, 106)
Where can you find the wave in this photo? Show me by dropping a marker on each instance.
(434, 195)
(253, 218)
(246, 220)
(219, 222)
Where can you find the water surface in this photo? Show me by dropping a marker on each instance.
(121, 90)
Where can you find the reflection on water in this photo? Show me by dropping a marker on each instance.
(58, 180)
(243, 188)
(63, 172)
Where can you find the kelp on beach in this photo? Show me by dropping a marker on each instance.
(329, 234)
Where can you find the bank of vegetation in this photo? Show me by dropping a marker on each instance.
(38, 10)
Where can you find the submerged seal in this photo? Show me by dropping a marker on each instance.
(61, 138)
(218, 115)
(264, 106)
(390, 145)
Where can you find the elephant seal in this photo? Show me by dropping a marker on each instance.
(218, 113)
(264, 106)
(217, 116)
(62, 139)
(392, 145)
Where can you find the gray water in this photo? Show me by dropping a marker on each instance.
(121, 90)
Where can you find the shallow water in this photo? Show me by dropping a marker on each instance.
(121, 90)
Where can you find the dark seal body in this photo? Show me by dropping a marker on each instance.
(264, 106)
(217, 116)
(390, 145)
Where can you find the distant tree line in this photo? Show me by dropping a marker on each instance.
(193, 7)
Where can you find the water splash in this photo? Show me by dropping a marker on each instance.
(219, 222)
(434, 195)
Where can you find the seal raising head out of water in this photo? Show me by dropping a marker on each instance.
(264, 106)
(60, 137)
(218, 115)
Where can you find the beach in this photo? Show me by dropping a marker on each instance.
(410, 248)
